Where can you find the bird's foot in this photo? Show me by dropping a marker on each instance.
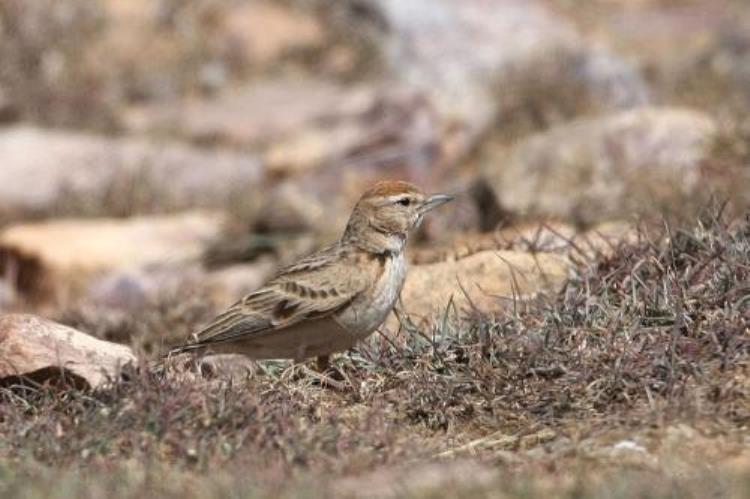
(326, 380)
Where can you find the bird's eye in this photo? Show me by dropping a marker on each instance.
(404, 201)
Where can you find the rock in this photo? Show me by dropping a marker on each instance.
(478, 61)
(46, 171)
(488, 281)
(43, 350)
(484, 273)
(551, 237)
(257, 114)
(625, 453)
(57, 256)
(596, 169)
(629, 446)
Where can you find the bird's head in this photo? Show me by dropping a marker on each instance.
(388, 211)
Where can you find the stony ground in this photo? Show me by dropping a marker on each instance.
(632, 380)
(576, 325)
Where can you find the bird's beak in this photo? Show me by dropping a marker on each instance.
(434, 201)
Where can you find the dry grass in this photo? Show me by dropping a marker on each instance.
(651, 336)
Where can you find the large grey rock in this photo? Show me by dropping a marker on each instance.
(43, 171)
(595, 169)
(476, 59)
(43, 350)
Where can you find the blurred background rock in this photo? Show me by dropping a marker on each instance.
(119, 119)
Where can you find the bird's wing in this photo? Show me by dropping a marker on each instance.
(315, 287)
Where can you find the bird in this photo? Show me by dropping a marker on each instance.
(330, 300)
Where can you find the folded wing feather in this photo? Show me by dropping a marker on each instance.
(303, 291)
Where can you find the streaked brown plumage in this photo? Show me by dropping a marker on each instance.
(331, 299)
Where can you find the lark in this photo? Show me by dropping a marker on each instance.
(330, 300)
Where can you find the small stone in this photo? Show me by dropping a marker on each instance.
(43, 350)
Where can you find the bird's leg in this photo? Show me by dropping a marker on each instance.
(328, 370)
(300, 357)
(322, 374)
(324, 362)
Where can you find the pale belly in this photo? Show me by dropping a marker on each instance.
(369, 311)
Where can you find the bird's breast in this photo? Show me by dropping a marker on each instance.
(370, 309)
